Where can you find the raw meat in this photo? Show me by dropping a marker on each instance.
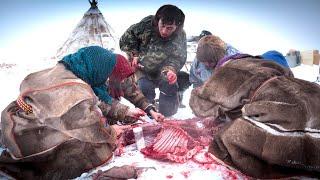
(174, 144)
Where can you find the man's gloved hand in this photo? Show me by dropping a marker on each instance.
(172, 77)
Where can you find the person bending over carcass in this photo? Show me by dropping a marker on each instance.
(56, 128)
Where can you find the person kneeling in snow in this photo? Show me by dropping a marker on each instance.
(273, 119)
(55, 129)
(157, 47)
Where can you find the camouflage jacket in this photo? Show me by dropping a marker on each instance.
(117, 111)
(155, 54)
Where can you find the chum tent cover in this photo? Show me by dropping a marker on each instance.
(93, 29)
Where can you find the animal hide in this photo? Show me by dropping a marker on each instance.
(275, 125)
(55, 129)
(231, 86)
(117, 173)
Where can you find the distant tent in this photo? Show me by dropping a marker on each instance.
(92, 30)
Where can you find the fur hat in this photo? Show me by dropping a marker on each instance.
(210, 49)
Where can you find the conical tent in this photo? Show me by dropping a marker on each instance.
(91, 30)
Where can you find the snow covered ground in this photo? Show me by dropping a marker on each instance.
(157, 170)
(11, 74)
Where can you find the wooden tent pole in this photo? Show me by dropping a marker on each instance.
(93, 3)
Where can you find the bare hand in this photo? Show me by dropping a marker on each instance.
(157, 116)
(135, 113)
(134, 62)
(119, 129)
(172, 77)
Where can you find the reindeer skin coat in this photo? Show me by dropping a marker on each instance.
(274, 125)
